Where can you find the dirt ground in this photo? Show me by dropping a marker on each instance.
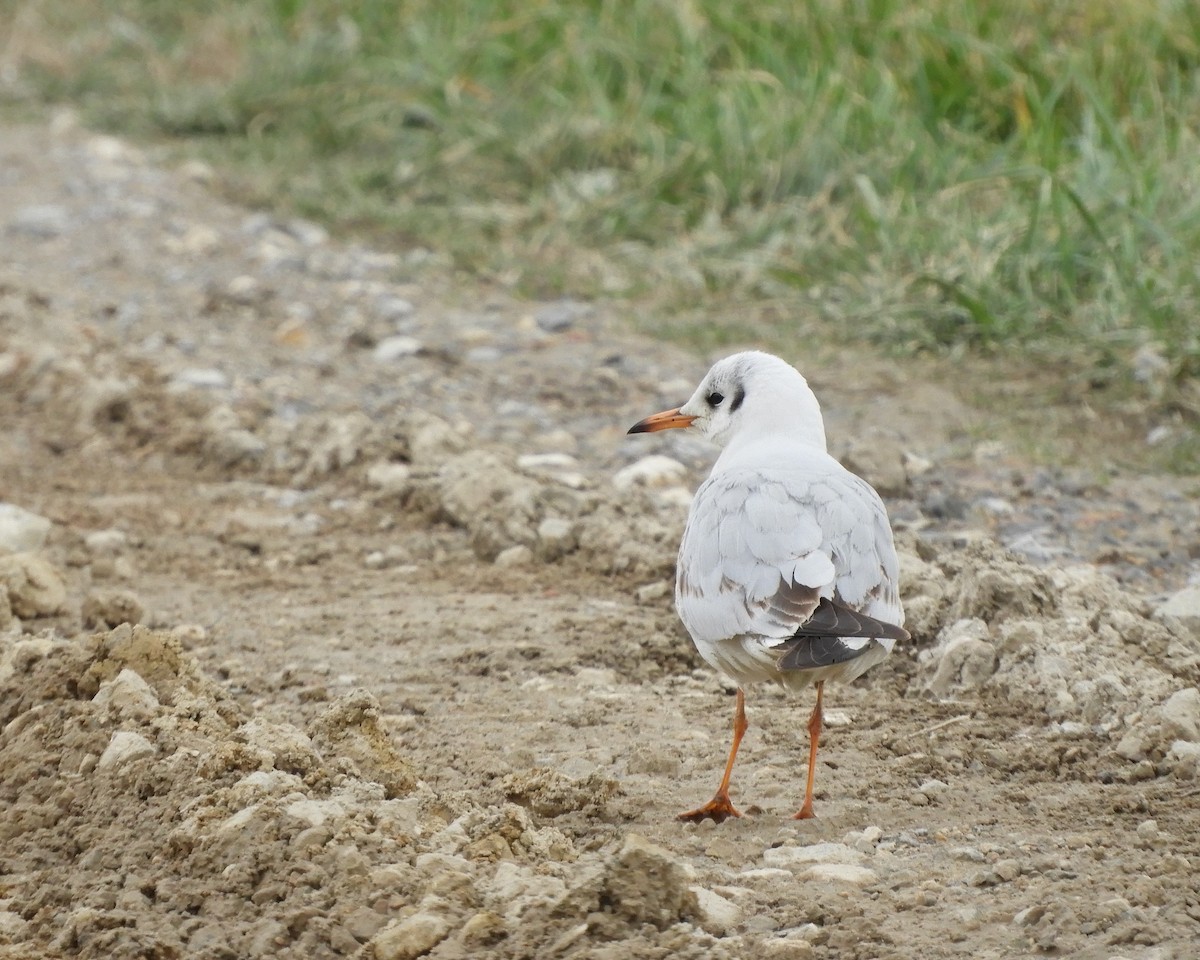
(406, 679)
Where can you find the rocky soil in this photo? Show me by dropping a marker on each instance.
(335, 620)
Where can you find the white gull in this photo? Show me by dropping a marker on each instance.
(787, 571)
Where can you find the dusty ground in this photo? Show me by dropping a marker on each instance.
(407, 680)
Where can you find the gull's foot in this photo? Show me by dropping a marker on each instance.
(719, 809)
(805, 812)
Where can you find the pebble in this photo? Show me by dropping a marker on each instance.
(198, 378)
(20, 530)
(517, 556)
(390, 349)
(1148, 830)
(42, 221)
(393, 309)
(124, 747)
(714, 913)
(35, 587)
(127, 694)
(1183, 606)
(106, 608)
(1008, 869)
(560, 316)
(389, 477)
(787, 948)
(815, 853)
(841, 873)
(106, 543)
(1181, 715)
(652, 471)
(243, 290)
(555, 538)
(649, 592)
(411, 937)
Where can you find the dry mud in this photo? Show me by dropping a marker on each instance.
(335, 620)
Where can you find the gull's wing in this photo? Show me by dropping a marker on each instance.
(792, 552)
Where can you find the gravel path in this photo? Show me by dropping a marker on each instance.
(402, 589)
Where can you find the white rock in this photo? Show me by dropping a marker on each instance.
(1184, 606)
(12, 927)
(395, 348)
(106, 543)
(715, 914)
(389, 477)
(393, 309)
(41, 220)
(849, 873)
(411, 937)
(124, 747)
(198, 378)
(20, 530)
(1183, 760)
(1181, 715)
(652, 471)
(963, 659)
(35, 587)
(315, 812)
(555, 537)
(814, 853)
(127, 694)
(518, 556)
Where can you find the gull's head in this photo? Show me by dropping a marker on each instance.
(746, 395)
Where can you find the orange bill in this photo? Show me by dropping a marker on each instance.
(667, 420)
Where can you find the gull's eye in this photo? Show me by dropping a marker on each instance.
(715, 399)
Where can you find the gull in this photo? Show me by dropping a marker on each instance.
(787, 571)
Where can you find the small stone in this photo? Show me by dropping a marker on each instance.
(124, 747)
(1148, 830)
(934, 788)
(1183, 606)
(789, 857)
(127, 694)
(518, 556)
(108, 608)
(13, 927)
(787, 948)
(1029, 916)
(1007, 869)
(390, 349)
(1181, 715)
(243, 290)
(20, 530)
(106, 543)
(714, 913)
(557, 317)
(650, 592)
(198, 378)
(652, 471)
(190, 635)
(393, 309)
(848, 873)
(42, 221)
(555, 538)
(411, 937)
(389, 477)
(35, 587)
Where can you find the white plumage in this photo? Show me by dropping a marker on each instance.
(786, 571)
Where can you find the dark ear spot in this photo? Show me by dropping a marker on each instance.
(738, 396)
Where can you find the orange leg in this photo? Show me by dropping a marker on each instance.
(720, 807)
(814, 735)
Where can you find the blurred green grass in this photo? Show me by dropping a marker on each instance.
(980, 173)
